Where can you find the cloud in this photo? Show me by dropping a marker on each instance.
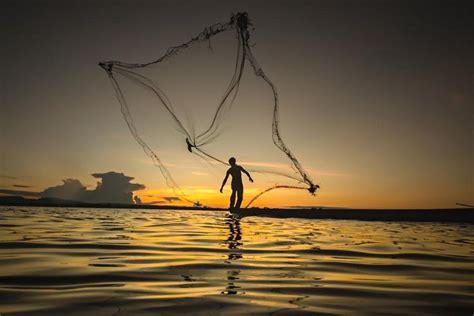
(266, 164)
(113, 187)
(71, 189)
(21, 186)
(156, 202)
(137, 200)
(171, 199)
(18, 192)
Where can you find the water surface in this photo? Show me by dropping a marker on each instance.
(146, 262)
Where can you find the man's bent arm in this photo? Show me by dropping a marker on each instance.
(247, 173)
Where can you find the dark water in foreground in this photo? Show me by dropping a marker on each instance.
(122, 262)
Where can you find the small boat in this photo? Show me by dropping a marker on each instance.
(459, 215)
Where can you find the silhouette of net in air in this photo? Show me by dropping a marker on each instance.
(197, 141)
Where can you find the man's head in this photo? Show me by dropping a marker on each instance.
(232, 161)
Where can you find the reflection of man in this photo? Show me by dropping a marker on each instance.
(233, 243)
(235, 235)
(237, 186)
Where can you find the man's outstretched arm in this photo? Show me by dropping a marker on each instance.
(225, 180)
(247, 173)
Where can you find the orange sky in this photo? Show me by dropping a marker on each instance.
(376, 103)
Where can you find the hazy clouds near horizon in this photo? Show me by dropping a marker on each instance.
(113, 188)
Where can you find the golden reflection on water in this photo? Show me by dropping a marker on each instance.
(79, 261)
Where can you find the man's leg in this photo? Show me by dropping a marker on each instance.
(240, 196)
(232, 199)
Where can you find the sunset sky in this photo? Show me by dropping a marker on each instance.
(376, 98)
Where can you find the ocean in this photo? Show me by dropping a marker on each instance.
(78, 261)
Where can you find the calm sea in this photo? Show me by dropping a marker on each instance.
(60, 261)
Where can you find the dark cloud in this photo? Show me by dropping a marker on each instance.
(156, 202)
(171, 199)
(114, 187)
(137, 200)
(71, 189)
(21, 186)
(18, 192)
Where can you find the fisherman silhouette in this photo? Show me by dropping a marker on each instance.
(237, 186)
